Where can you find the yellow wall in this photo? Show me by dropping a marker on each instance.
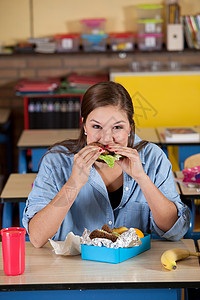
(60, 16)
(163, 99)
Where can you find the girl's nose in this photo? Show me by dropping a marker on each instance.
(107, 137)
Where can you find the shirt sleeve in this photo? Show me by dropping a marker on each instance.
(164, 181)
(45, 187)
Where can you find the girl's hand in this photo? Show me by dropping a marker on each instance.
(83, 160)
(130, 163)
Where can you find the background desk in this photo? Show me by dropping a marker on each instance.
(185, 149)
(38, 140)
(141, 277)
(148, 133)
(17, 189)
(188, 195)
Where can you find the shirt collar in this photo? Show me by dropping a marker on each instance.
(141, 153)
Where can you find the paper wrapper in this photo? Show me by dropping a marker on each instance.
(128, 238)
(71, 245)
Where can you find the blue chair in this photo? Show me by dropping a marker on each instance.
(185, 152)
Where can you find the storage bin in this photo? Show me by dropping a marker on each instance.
(93, 26)
(122, 41)
(150, 26)
(67, 42)
(149, 11)
(150, 42)
(94, 42)
(110, 255)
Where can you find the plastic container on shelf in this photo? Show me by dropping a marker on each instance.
(150, 26)
(67, 42)
(148, 42)
(124, 41)
(94, 42)
(149, 11)
(93, 26)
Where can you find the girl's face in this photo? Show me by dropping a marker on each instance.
(107, 125)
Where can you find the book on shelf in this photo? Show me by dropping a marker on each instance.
(173, 13)
(183, 134)
(192, 31)
(42, 85)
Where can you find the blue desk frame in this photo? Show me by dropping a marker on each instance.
(5, 138)
(22, 167)
(37, 154)
(95, 294)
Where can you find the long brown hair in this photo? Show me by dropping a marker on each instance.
(98, 95)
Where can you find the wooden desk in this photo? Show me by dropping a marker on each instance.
(161, 135)
(16, 189)
(189, 194)
(43, 138)
(5, 135)
(36, 138)
(140, 277)
(148, 133)
(39, 140)
(185, 149)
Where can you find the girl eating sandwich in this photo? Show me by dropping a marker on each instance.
(76, 189)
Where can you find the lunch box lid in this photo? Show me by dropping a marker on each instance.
(122, 34)
(94, 37)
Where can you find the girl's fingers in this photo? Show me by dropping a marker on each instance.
(125, 151)
(92, 159)
(87, 158)
(88, 149)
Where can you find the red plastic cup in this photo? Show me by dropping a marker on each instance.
(13, 248)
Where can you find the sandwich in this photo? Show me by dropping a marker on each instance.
(107, 233)
(107, 156)
(104, 233)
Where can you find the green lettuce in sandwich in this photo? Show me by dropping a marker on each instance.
(107, 156)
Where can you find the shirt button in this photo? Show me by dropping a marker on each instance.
(120, 207)
(126, 188)
(110, 222)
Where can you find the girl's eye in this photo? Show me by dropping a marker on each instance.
(96, 126)
(118, 127)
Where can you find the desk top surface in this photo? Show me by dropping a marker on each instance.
(46, 269)
(148, 133)
(18, 186)
(4, 115)
(187, 191)
(47, 137)
(161, 135)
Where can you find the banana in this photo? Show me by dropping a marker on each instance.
(169, 257)
(119, 230)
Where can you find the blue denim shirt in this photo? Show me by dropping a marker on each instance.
(92, 209)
